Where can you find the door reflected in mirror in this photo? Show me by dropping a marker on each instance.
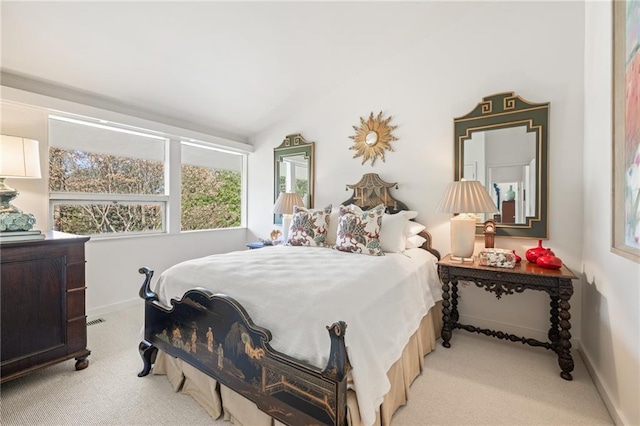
(504, 161)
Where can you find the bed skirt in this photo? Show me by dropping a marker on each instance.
(220, 400)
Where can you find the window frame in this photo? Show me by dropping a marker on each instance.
(171, 200)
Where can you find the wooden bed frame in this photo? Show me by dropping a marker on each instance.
(216, 335)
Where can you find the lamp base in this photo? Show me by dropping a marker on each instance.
(16, 222)
(286, 224)
(463, 236)
(7, 194)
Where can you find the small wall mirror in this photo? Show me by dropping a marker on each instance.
(293, 164)
(371, 138)
(503, 143)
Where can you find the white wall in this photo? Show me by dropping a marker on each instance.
(611, 299)
(112, 277)
(501, 48)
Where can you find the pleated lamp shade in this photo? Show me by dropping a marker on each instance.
(285, 202)
(466, 196)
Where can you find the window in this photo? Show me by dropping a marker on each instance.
(105, 179)
(211, 187)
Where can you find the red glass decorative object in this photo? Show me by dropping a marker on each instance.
(534, 253)
(549, 260)
(518, 258)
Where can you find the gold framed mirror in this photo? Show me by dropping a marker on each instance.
(372, 138)
(294, 170)
(503, 143)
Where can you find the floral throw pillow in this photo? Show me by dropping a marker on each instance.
(309, 227)
(359, 231)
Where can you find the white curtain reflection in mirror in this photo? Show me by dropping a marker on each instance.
(504, 160)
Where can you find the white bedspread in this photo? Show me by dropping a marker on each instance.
(296, 291)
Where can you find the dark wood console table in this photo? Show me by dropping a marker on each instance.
(503, 281)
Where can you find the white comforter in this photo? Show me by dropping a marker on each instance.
(296, 291)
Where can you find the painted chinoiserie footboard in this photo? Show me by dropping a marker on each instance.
(215, 334)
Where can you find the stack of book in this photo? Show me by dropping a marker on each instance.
(18, 236)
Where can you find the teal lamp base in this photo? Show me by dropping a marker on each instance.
(11, 217)
(16, 222)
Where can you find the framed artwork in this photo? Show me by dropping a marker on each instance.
(626, 129)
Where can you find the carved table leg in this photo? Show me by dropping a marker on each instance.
(148, 354)
(553, 331)
(82, 362)
(565, 360)
(446, 325)
(454, 300)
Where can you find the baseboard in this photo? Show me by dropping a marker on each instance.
(617, 417)
(103, 310)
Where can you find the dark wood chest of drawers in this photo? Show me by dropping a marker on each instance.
(42, 304)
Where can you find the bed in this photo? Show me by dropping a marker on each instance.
(382, 315)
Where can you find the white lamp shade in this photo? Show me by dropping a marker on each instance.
(285, 202)
(19, 157)
(466, 196)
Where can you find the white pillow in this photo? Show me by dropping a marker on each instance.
(414, 228)
(415, 241)
(410, 213)
(392, 232)
(332, 230)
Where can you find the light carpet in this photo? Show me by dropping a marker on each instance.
(478, 381)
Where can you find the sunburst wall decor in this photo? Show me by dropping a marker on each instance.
(372, 138)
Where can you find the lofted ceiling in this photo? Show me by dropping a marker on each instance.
(230, 69)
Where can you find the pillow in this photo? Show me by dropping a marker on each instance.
(392, 232)
(410, 213)
(332, 231)
(360, 232)
(309, 227)
(415, 241)
(414, 228)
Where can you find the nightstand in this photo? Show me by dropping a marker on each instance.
(504, 281)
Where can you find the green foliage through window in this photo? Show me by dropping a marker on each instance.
(210, 198)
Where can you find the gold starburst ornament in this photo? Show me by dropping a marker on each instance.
(372, 138)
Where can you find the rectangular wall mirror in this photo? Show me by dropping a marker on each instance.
(503, 143)
(293, 164)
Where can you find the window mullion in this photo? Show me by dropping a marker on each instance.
(174, 181)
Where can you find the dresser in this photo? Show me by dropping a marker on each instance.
(42, 300)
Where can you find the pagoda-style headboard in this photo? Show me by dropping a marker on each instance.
(371, 191)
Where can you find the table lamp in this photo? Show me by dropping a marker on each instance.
(284, 206)
(465, 197)
(19, 158)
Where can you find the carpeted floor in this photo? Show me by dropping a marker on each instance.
(478, 381)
